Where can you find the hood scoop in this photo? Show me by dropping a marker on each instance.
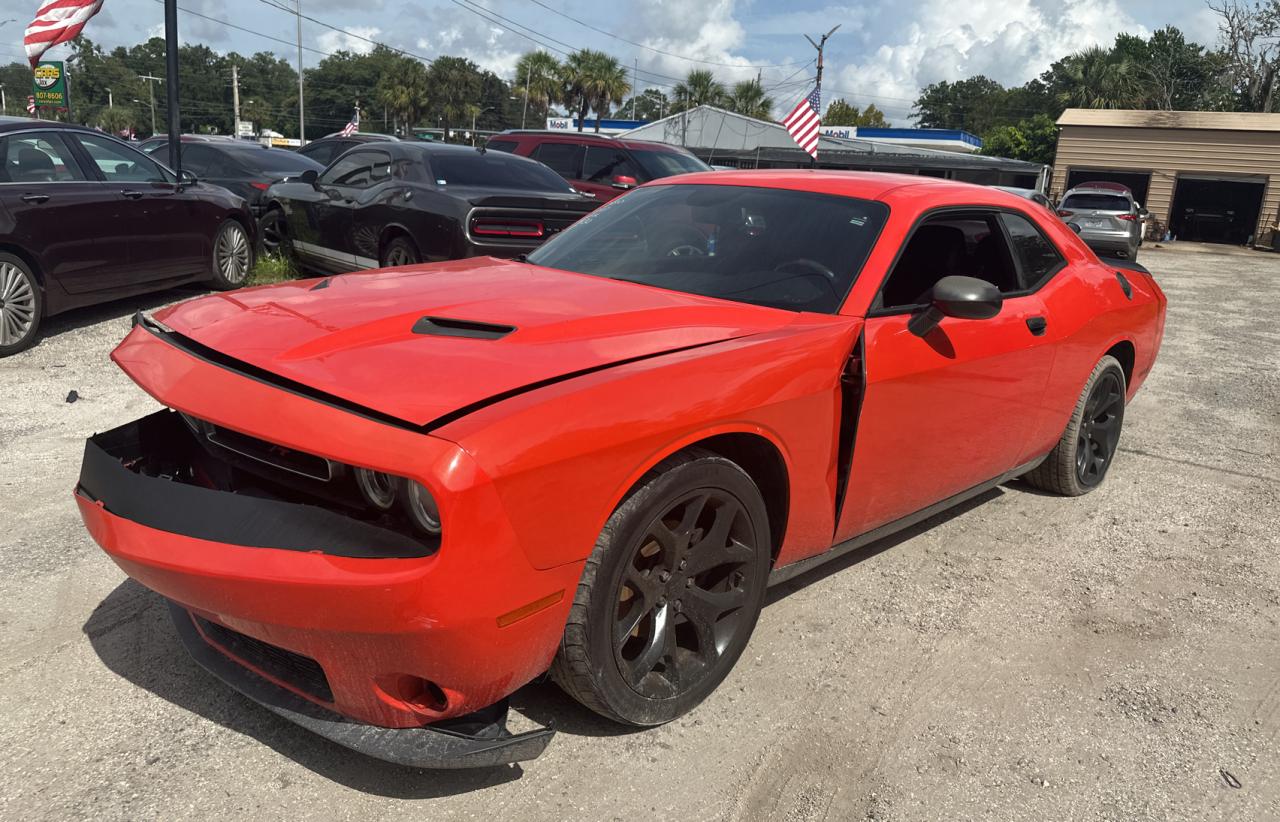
(471, 329)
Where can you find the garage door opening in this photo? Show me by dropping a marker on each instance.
(1137, 183)
(1215, 211)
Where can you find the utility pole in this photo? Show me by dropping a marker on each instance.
(302, 118)
(4, 106)
(634, 68)
(820, 45)
(528, 74)
(151, 93)
(235, 100)
(110, 100)
(171, 87)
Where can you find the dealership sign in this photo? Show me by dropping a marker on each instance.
(50, 85)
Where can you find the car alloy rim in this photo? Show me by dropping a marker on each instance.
(683, 596)
(17, 304)
(399, 256)
(272, 234)
(1099, 429)
(233, 253)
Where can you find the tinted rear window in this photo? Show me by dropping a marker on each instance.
(1096, 202)
(667, 163)
(493, 170)
(508, 146)
(272, 159)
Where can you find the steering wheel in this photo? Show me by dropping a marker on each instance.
(811, 265)
(686, 242)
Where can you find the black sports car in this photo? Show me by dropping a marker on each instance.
(329, 148)
(241, 167)
(398, 203)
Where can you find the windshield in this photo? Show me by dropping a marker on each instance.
(1096, 202)
(786, 249)
(494, 170)
(667, 163)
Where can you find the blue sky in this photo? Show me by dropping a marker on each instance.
(883, 53)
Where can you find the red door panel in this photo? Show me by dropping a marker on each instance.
(943, 413)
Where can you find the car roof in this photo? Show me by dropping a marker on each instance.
(592, 138)
(24, 123)
(868, 185)
(360, 137)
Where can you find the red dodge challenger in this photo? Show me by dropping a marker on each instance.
(380, 503)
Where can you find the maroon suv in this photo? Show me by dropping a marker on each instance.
(598, 165)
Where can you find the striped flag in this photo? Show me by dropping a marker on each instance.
(31, 104)
(803, 122)
(353, 126)
(56, 22)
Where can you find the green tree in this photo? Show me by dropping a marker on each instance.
(337, 82)
(538, 78)
(1095, 77)
(1034, 140)
(748, 98)
(649, 104)
(841, 113)
(700, 87)
(975, 105)
(454, 83)
(402, 91)
(604, 84)
(117, 120)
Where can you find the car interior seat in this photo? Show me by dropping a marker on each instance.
(934, 252)
(34, 166)
(990, 261)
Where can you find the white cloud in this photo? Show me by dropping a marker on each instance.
(1011, 41)
(332, 41)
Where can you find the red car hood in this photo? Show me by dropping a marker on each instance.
(353, 336)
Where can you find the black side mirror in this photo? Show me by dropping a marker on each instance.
(309, 177)
(1074, 227)
(967, 298)
(187, 178)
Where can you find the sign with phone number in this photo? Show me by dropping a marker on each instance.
(49, 85)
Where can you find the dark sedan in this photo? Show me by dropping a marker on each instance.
(243, 168)
(327, 149)
(401, 203)
(86, 218)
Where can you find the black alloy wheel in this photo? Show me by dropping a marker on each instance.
(275, 232)
(1100, 428)
(670, 595)
(1079, 462)
(400, 251)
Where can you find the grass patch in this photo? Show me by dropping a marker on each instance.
(272, 268)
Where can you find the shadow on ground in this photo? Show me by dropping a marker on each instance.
(78, 318)
(131, 632)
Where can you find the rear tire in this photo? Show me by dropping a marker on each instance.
(1079, 462)
(670, 595)
(400, 251)
(21, 305)
(232, 255)
(274, 230)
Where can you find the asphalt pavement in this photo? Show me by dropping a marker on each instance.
(1024, 657)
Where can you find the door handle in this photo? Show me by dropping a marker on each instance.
(132, 195)
(1037, 325)
(34, 198)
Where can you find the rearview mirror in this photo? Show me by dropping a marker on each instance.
(624, 182)
(309, 177)
(966, 298)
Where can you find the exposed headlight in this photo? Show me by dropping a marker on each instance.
(378, 489)
(421, 508)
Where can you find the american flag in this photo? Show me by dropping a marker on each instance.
(353, 126)
(31, 104)
(803, 122)
(56, 22)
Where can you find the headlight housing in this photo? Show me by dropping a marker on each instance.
(420, 507)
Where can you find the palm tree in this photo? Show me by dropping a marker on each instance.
(700, 87)
(748, 98)
(1098, 77)
(403, 91)
(537, 79)
(573, 78)
(606, 84)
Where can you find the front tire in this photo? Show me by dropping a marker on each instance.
(400, 251)
(21, 305)
(670, 595)
(274, 230)
(232, 256)
(1079, 462)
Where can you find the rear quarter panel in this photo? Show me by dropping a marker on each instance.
(563, 457)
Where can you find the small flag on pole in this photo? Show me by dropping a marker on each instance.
(803, 122)
(353, 126)
(57, 21)
(31, 104)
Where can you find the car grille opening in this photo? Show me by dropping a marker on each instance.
(299, 672)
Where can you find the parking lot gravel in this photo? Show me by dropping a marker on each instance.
(1024, 657)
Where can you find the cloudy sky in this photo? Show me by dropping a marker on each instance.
(882, 54)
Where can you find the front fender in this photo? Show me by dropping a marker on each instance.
(562, 457)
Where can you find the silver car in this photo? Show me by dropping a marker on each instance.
(1109, 220)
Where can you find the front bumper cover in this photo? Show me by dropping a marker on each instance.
(478, 740)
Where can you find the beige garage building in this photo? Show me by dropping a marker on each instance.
(1209, 176)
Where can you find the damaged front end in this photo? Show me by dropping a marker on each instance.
(186, 507)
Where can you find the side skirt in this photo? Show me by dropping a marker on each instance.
(795, 569)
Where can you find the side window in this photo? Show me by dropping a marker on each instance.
(508, 146)
(323, 152)
(354, 170)
(1037, 256)
(603, 164)
(119, 163)
(199, 159)
(564, 159)
(39, 158)
(968, 244)
(380, 169)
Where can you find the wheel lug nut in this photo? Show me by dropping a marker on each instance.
(679, 605)
(688, 583)
(683, 563)
(663, 576)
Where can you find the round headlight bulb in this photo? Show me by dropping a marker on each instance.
(421, 508)
(377, 488)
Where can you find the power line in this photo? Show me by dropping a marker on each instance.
(651, 48)
(341, 30)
